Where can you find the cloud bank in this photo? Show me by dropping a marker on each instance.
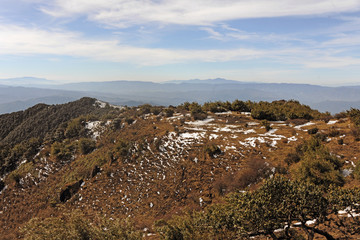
(124, 13)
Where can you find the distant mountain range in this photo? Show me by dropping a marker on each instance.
(16, 94)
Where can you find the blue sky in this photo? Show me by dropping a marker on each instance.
(309, 41)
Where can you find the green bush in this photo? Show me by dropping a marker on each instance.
(278, 204)
(317, 165)
(63, 151)
(266, 124)
(169, 112)
(86, 145)
(354, 115)
(75, 128)
(283, 110)
(240, 106)
(313, 130)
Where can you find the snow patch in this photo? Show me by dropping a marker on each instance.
(213, 136)
(249, 131)
(304, 125)
(201, 122)
(346, 172)
(223, 113)
(332, 122)
(95, 128)
(100, 104)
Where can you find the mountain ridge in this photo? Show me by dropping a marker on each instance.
(174, 93)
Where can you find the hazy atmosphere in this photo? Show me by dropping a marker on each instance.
(103, 40)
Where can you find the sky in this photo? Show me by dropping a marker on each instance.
(307, 41)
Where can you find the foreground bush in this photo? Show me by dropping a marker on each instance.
(280, 209)
(76, 226)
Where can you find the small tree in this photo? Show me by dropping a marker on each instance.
(317, 165)
(86, 145)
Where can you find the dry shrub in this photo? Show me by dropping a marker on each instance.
(199, 116)
(254, 170)
(326, 118)
(313, 130)
(356, 133)
(291, 158)
(340, 115)
(297, 121)
(334, 133)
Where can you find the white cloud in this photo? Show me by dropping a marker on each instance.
(343, 40)
(15, 40)
(213, 34)
(123, 13)
(332, 62)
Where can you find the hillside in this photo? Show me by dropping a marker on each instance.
(149, 164)
(36, 124)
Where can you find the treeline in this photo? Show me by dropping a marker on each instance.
(273, 111)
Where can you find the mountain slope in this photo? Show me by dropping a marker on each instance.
(23, 132)
(150, 163)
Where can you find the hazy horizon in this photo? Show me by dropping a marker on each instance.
(311, 42)
(36, 82)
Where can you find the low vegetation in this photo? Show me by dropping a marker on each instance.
(76, 226)
(280, 209)
(265, 173)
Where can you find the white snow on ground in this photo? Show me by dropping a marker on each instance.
(252, 141)
(309, 222)
(304, 125)
(99, 103)
(269, 137)
(95, 128)
(292, 139)
(102, 104)
(196, 129)
(230, 148)
(252, 123)
(176, 116)
(278, 122)
(223, 113)
(348, 212)
(249, 131)
(332, 122)
(213, 136)
(271, 134)
(233, 129)
(346, 172)
(246, 113)
(194, 135)
(201, 122)
(224, 129)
